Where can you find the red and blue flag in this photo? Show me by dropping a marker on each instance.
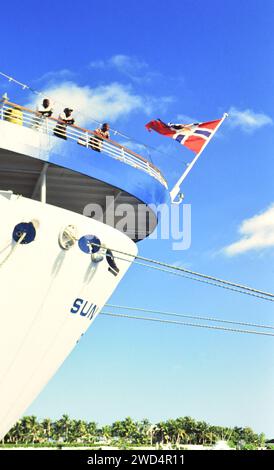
(193, 136)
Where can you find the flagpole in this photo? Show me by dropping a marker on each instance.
(176, 188)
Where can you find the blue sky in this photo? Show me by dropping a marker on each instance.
(170, 60)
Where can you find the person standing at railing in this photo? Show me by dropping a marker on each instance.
(96, 141)
(65, 119)
(14, 114)
(43, 111)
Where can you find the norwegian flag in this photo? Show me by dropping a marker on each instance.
(193, 136)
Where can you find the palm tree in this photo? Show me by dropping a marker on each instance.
(125, 429)
(144, 431)
(79, 431)
(105, 431)
(181, 435)
(261, 440)
(213, 434)
(162, 433)
(183, 429)
(188, 424)
(130, 428)
(62, 428)
(202, 432)
(117, 429)
(47, 428)
(31, 429)
(151, 431)
(15, 433)
(92, 431)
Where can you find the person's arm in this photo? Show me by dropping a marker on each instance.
(62, 119)
(47, 113)
(70, 121)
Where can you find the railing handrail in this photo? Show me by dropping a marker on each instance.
(84, 131)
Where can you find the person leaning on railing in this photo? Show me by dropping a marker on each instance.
(43, 111)
(65, 119)
(96, 141)
(14, 115)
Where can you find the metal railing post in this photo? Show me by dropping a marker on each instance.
(149, 169)
(123, 154)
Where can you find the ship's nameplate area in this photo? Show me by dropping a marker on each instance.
(77, 178)
(49, 296)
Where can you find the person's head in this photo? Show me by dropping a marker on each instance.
(105, 127)
(46, 103)
(68, 111)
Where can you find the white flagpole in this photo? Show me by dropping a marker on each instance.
(176, 188)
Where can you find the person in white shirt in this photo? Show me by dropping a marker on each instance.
(43, 111)
(65, 119)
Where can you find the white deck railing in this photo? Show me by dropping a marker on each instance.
(25, 117)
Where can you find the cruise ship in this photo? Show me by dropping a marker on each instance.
(65, 242)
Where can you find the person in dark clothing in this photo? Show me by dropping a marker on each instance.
(96, 141)
(65, 119)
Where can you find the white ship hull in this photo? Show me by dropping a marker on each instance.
(41, 319)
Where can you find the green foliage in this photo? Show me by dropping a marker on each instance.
(249, 447)
(123, 434)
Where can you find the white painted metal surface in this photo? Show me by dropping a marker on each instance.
(39, 285)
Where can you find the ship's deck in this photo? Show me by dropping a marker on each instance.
(76, 176)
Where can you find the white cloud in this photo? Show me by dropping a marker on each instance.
(127, 63)
(53, 75)
(122, 62)
(102, 103)
(135, 69)
(257, 233)
(247, 119)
